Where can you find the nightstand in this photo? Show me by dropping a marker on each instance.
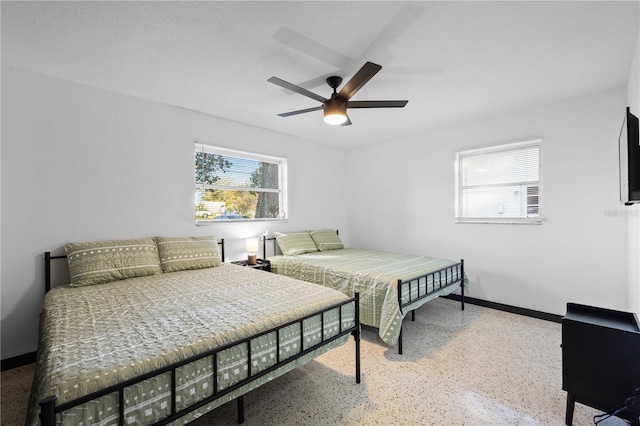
(600, 352)
(261, 264)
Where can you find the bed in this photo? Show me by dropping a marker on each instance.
(169, 341)
(390, 284)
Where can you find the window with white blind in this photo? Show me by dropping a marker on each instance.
(238, 186)
(499, 184)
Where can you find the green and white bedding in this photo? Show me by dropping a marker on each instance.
(99, 335)
(375, 275)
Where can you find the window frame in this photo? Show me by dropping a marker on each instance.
(282, 191)
(534, 220)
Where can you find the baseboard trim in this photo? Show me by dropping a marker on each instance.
(18, 361)
(508, 308)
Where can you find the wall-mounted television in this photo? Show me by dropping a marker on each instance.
(629, 146)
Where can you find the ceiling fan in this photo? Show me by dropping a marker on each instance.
(335, 108)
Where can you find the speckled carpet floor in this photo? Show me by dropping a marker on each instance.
(474, 367)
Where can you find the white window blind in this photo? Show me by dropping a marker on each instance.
(499, 184)
(238, 186)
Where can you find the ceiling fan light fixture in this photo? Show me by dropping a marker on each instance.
(335, 112)
(335, 118)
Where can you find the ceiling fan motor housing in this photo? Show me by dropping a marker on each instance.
(335, 104)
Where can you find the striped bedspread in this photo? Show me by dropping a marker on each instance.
(374, 274)
(96, 336)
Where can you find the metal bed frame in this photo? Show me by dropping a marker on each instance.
(456, 271)
(49, 409)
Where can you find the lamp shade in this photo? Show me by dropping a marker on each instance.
(251, 244)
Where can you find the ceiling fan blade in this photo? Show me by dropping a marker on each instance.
(320, 81)
(279, 82)
(376, 104)
(347, 123)
(360, 78)
(300, 111)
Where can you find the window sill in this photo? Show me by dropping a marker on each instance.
(496, 221)
(213, 222)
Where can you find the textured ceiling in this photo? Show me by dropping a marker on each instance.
(453, 61)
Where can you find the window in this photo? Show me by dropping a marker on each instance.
(238, 186)
(499, 184)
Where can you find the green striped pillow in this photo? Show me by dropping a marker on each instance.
(106, 261)
(295, 243)
(326, 239)
(181, 254)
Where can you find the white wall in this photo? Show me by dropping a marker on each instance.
(82, 164)
(633, 219)
(402, 199)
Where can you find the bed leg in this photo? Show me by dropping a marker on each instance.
(358, 355)
(400, 342)
(413, 315)
(356, 336)
(462, 285)
(240, 401)
(48, 411)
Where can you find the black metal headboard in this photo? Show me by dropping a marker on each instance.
(47, 269)
(48, 258)
(264, 246)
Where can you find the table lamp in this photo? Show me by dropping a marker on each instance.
(251, 244)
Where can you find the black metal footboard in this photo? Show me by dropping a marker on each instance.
(443, 278)
(49, 409)
(440, 279)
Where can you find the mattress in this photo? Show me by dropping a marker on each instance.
(96, 336)
(375, 275)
